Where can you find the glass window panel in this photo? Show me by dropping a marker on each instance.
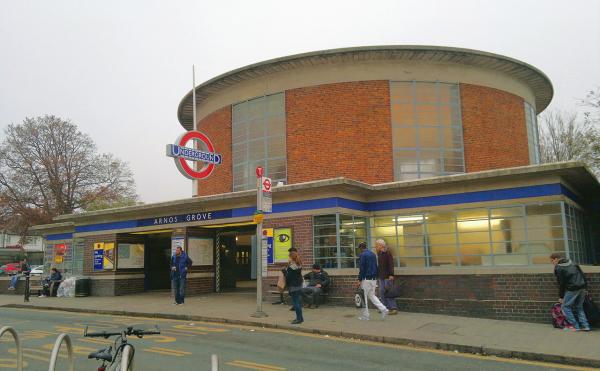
(441, 239)
(442, 250)
(412, 262)
(506, 212)
(475, 248)
(403, 114)
(427, 115)
(475, 260)
(324, 220)
(543, 209)
(508, 235)
(327, 263)
(348, 263)
(511, 260)
(429, 137)
(401, 91)
(417, 250)
(440, 228)
(443, 261)
(471, 214)
(472, 237)
(425, 92)
(440, 217)
(445, 116)
(405, 136)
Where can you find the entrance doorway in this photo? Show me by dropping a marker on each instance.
(157, 261)
(237, 259)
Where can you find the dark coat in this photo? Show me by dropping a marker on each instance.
(321, 277)
(569, 277)
(293, 277)
(182, 264)
(385, 262)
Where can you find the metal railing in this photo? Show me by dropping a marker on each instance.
(17, 342)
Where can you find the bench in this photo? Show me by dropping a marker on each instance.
(284, 297)
(37, 284)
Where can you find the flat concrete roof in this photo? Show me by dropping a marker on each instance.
(577, 174)
(538, 82)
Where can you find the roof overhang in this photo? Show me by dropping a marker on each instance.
(534, 78)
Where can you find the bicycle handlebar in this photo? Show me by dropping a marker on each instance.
(127, 332)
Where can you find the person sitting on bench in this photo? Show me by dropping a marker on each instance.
(318, 281)
(51, 283)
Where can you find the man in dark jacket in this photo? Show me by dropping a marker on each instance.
(180, 264)
(318, 281)
(385, 262)
(572, 284)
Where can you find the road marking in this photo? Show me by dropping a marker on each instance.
(26, 354)
(11, 363)
(255, 366)
(182, 332)
(199, 328)
(76, 349)
(70, 330)
(168, 352)
(97, 341)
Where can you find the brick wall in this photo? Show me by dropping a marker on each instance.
(217, 126)
(341, 129)
(517, 297)
(495, 134)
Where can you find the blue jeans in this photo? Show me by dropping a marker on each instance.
(297, 301)
(179, 289)
(390, 303)
(573, 302)
(13, 281)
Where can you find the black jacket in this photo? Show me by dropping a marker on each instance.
(314, 278)
(569, 277)
(293, 277)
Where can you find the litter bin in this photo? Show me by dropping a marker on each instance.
(82, 287)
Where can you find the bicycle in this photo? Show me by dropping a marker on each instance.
(122, 356)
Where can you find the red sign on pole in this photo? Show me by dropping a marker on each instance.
(266, 185)
(260, 171)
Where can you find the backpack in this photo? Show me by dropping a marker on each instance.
(558, 317)
(592, 313)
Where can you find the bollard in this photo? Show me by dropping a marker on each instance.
(26, 293)
(214, 360)
(56, 349)
(17, 342)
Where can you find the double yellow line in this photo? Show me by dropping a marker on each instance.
(167, 352)
(255, 366)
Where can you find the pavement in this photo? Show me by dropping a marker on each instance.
(529, 341)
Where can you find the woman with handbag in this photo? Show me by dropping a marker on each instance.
(293, 280)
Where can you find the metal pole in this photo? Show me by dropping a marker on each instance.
(26, 294)
(195, 118)
(18, 344)
(259, 312)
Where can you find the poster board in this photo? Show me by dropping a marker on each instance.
(282, 241)
(201, 250)
(99, 256)
(109, 256)
(177, 242)
(130, 255)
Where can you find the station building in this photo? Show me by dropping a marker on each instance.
(433, 149)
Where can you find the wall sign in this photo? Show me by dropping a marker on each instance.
(99, 256)
(282, 241)
(182, 154)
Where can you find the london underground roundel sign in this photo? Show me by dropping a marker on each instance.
(182, 154)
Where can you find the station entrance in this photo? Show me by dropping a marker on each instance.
(235, 263)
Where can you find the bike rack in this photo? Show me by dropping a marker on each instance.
(125, 365)
(17, 342)
(214, 361)
(56, 350)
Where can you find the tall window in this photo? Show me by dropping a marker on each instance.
(506, 235)
(426, 129)
(533, 141)
(258, 139)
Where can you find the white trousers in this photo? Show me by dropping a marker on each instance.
(369, 287)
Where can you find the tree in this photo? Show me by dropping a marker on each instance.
(564, 138)
(48, 168)
(591, 103)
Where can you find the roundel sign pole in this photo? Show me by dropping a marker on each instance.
(182, 154)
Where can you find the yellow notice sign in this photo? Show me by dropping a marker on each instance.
(99, 246)
(282, 241)
(58, 259)
(109, 256)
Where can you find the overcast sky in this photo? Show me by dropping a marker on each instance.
(119, 69)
